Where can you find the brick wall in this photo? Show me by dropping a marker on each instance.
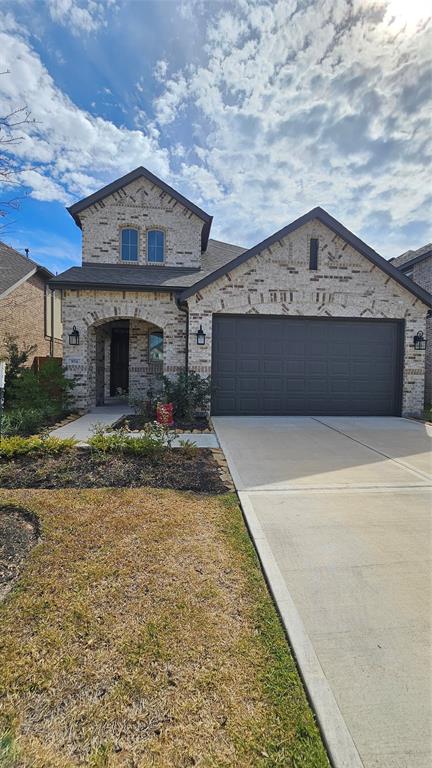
(278, 281)
(144, 206)
(90, 310)
(22, 315)
(422, 275)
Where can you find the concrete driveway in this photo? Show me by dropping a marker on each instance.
(340, 512)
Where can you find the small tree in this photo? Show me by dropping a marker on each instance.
(16, 360)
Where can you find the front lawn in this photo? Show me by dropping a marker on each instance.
(140, 634)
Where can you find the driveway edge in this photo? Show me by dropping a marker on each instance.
(336, 736)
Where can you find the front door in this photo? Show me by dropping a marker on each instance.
(119, 378)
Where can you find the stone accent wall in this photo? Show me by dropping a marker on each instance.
(90, 310)
(22, 314)
(346, 284)
(144, 206)
(422, 275)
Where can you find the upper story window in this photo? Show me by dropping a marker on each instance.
(129, 244)
(155, 246)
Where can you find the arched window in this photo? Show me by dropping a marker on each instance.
(155, 246)
(129, 244)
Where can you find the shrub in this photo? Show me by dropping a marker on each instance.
(48, 389)
(153, 439)
(188, 447)
(23, 421)
(188, 392)
(20, 446)
(16, 360)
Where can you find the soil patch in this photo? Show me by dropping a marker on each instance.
(19, 532)
(136, 422)
(80, 468)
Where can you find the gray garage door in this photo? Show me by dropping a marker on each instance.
(281, 365)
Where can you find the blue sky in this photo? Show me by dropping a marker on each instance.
(255, 110)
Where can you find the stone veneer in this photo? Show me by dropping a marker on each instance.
(144, 206)
(278, 282)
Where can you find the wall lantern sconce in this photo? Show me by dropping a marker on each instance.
(74, 337)
(419, 340)
(201, 337)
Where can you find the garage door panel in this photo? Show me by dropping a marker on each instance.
(283, 365)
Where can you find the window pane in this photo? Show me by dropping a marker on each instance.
(129, 240)
(155, 246)
(155, 346)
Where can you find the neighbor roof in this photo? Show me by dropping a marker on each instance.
(142, 172)
(337, 228)
(409, 258)
(16, 268)
(138, 277)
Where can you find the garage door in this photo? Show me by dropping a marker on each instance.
(279, 365)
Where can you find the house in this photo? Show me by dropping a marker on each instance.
(417, 265)
(309, 321)
(28, 309)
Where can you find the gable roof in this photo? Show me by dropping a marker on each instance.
(321, 215)
(408, 259)
(146, 277)
(138, 173)
(16, 268)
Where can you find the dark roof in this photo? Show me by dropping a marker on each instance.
(408, 259)
(96, 197)
(337, 228)
(138, 277)
(14, 268)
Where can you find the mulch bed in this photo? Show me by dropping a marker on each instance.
(82, 468)
(135, 422)
(19, 532)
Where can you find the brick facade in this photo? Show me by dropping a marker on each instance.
(22, 314)
(92, 311)
(278, 281)
(422, 275)
(144, 206)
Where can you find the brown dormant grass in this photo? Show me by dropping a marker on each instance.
(141, 634)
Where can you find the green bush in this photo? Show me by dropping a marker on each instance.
(188, 392)
(153, 439)
(16, 360)
(48, 389)
(23, 421)
(20, 446)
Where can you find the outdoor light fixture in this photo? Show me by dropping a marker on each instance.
(419, 340)
(74, 337)
(200, 336)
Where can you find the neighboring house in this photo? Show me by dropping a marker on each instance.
(26, 304)
(309, 321)
(417, 265)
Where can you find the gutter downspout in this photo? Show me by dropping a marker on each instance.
(183, 307)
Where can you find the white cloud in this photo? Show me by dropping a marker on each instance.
(74, 151)
(303, 105)
(80, 15)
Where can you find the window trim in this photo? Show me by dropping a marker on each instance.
(156, 229)
(123, 228)
(161, 333)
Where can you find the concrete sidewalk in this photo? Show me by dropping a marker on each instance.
(82, 428)
(340, 513)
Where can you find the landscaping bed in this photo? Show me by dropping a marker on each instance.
(19, 531)
(81, 468)
(141, 634)
(136, 422)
